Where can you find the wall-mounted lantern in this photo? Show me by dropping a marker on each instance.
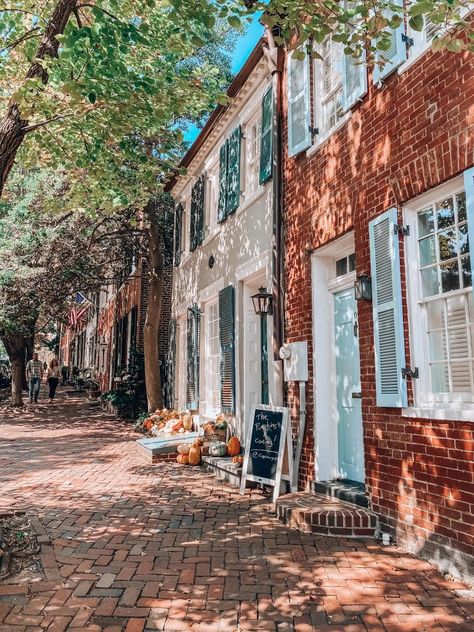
(363, 288)
(262, 302)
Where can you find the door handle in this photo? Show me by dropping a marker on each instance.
(357, 395)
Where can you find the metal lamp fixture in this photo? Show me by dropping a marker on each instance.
(262, 302)
(363, 288)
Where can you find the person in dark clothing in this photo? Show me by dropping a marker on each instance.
(64, 373)
(53, 378)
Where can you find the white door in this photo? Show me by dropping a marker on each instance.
(348, 393)
(252, 360)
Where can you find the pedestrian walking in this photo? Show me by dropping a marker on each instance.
(34, 375)
(53, 376)
(64, 372)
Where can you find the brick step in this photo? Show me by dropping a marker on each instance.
(350, 491)
(317, 513)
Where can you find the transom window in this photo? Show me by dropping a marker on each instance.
(345, 265)
(329, 93)
(447, 302)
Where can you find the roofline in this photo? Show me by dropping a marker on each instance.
(239, 80)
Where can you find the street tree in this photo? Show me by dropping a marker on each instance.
(45, 257)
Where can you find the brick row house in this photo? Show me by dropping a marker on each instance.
(372, 179)
(112, 327)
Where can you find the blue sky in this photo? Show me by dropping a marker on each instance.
(243, 48)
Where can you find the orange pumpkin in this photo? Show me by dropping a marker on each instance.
(147, 424)
(195, 454)
(182, 459)
(233, 446)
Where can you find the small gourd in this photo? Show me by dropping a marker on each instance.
(183, 448)
(182, 459)
(195, 454)
(233, 446)
(188, 421)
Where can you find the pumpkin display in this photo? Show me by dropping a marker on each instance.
(182, 459)
(217, 448)
(147, 424)
(177, 426)
(195, 454)
(233, 446)
(199, 441)
(183, 448)
(238, 460)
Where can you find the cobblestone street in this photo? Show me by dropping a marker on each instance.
(130, 546)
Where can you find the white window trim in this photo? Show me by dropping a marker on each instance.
(420, 45)
(204, 403)
(419, 353)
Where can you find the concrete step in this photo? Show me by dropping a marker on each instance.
(317, 513)
(349, 491)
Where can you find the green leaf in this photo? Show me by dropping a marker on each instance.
(416, 22)
(234, 21)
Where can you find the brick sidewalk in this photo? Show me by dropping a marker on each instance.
(137, 547)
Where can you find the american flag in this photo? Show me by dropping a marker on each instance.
(78, 312)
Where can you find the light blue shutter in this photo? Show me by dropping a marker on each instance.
(299, 119)
(396, 54)
(469, 188)
(354, 80)
(387, 310)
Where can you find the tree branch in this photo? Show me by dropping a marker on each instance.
(94, 6)
(26, 36)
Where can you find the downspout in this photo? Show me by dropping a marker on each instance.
(275, 60)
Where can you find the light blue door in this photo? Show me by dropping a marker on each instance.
(349, 402)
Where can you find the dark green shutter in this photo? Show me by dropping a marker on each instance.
(233, 172)
(222, 204)
(178, 228)
(193, 339)
(266, 142)
(197, 214)
(171, 368)
(227, 343)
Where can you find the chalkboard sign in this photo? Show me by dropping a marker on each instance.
(268, 436)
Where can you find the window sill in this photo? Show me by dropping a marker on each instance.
(256, 195)
(414, 56)
(326, 137)
(442, 412)
(210, 237)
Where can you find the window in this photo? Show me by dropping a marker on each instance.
(213, 358)
(211, 199)
(229, 175)
(422, 39)
(446, 297)
(345, 265)
(252, 155)
(329, 95)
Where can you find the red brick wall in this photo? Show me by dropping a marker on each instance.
(411, 135)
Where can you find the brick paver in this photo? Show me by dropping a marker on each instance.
(135, 547)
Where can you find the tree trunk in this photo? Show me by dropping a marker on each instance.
(153, 313)
(15, 346)
(12, 126)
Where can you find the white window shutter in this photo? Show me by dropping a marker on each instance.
(391, 386)
(396, 54)
(469, 188)
(354, 80)
(299, 121)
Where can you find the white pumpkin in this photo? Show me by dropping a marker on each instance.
(183, 448)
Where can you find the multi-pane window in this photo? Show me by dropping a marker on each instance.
(446, 280)
(252, 154)
(329, 90)
(345, 265)
(212, 359)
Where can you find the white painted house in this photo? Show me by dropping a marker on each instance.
(224, 233)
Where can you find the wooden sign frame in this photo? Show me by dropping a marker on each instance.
(286, 443)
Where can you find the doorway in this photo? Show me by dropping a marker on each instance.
(338, 426)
